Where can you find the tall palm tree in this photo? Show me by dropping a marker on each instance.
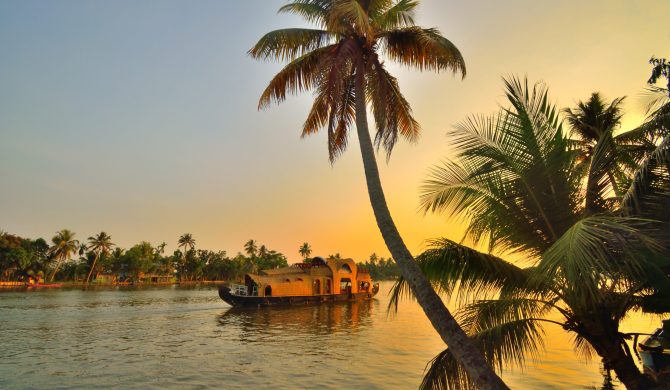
(64, 246)
(341, 60)
(100, 244)
(251, 248)
(305, 250)
(187, 242)
(516, 182)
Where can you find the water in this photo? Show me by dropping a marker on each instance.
(187, 338)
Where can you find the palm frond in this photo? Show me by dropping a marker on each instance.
(290, 43)
(599, 248)
(401, 14)
(649, 192)
(425, 49)
(509, 342)
(297, 76)
(453, 267)
(392, 112)
(313, 11)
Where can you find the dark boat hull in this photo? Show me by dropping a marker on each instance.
(250, 301)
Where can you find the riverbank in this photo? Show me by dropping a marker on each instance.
(26, 286)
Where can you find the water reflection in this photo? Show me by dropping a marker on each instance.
(318, 320)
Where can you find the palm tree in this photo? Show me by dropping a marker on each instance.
(341, 61)
(64, 246)
(593, 123)
(305, 250)
(660, 69)
(101, 245)
(251, 248)
(516, 182)
(187, 242)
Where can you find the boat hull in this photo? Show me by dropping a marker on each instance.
(251, 301)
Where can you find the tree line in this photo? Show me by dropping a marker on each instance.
(99, 260)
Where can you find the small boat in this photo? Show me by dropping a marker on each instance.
(316, 281)
(655, 351)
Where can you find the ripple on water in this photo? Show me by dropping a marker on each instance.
(186, 338)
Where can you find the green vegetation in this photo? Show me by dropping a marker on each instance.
(341, 61)
(380, 268)
(584, 208)
(101, 262)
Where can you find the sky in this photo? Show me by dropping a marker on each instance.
(139, 118)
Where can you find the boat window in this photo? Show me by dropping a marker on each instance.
(268, 291)
(287, 280)
(317, 287)
(327, 286)
(346, 268)
(298, 279)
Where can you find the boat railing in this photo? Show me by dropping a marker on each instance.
(238, 289)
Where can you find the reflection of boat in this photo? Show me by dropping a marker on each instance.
(314, 282)
(655, 351)
(299, 320)
(44, 285)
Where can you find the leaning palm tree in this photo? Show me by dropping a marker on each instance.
(517, 184)
(100, 244)
(305, 250)
(64, 246)
(342, 61)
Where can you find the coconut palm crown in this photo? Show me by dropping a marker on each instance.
(352, 38)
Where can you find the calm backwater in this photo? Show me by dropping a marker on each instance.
(187, 338)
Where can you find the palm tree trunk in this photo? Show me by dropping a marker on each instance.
(55, 270)
(90, 272)
(465, 352)
(615, 358)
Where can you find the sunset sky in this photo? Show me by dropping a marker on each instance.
(139, 118)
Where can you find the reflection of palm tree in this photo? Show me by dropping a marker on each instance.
(251, 248)
(101, 245)
(341, 62)
(305, 250)
(516, 178)
(64, 246)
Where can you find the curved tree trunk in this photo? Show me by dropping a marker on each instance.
(90, 272)
(55, 270)
(619, 360)
(465, 352)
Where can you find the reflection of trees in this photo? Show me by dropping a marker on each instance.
(306, 320)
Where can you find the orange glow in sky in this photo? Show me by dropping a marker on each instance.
(140, 119)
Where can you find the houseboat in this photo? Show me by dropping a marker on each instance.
(315, 281)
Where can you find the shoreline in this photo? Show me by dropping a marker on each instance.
(24, 286)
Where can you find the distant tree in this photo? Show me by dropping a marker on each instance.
(100, 244)
(251, 248)
(305, 251)
(160, 249)
(64, 246)
(138, 260)
(186, 241)
(660, 69)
